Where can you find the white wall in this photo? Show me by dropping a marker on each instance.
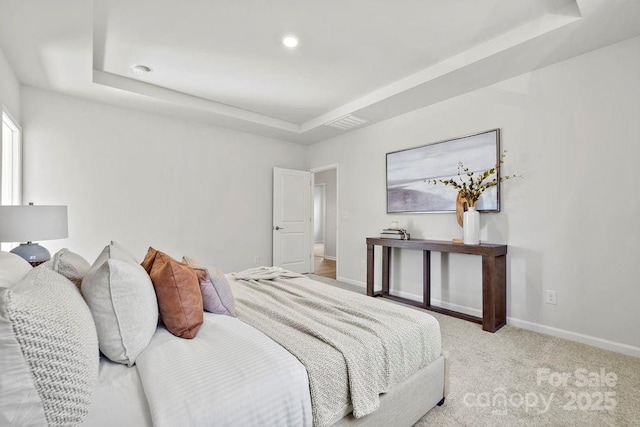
(329, 179)
(142, 179)
(318, 211)
(9, 88)
(572, 130)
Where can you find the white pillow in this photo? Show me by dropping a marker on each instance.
(12, 269)
(123, 303)
(112, 250)
(49, 348)
(121, 252)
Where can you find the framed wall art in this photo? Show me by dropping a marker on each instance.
(409, 170)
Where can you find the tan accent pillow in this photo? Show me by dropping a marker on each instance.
(178, 293)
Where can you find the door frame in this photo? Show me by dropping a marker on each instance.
(313, 171)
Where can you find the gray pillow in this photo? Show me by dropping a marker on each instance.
(48, 334)
(123, 303)
(216, 292)
(69, 264)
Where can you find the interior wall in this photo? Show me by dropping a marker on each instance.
(147, 180)
(572, 131)
(329, 178)
(9, 88)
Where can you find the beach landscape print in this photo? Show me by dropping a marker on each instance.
(407, 171)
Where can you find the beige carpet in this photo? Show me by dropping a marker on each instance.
(507, 379)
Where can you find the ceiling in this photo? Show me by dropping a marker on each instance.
(223, 63)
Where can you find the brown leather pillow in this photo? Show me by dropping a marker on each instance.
(178, 293)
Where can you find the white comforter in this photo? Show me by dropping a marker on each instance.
(230, 374)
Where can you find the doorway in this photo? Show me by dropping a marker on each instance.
(325, 221)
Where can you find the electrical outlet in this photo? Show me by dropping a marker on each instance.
(256, 260)
(550, 297)
(363, 265)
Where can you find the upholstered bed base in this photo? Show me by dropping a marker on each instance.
(408, 401)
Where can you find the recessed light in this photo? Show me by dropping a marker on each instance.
(290, 41)
(141, 69)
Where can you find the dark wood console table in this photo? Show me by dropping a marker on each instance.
(494, 279)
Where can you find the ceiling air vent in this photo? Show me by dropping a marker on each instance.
(347, 122)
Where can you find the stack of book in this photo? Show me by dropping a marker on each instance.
(394, 233)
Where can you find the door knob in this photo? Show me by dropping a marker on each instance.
(279, 228)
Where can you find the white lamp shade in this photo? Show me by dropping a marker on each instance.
(32, 223)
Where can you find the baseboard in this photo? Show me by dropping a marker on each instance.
(443, 304)
(351, 281)
(524, 324)
(575, 336)
(331, 258)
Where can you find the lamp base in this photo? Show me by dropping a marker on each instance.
(32, 252)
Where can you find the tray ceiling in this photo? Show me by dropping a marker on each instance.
(224, 63)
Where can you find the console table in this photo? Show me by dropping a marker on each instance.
(494, 282)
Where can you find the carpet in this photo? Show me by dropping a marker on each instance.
(517, 377)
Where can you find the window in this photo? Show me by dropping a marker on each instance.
(10, 166)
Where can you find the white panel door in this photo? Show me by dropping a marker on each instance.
(292, 220)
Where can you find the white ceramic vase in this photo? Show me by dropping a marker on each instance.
(471, 226)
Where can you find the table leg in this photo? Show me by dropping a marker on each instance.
(386, 256)
(370, 258)
(494, 293)
(426, 278)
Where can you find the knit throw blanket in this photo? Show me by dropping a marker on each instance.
(266, 273)
(353, 347)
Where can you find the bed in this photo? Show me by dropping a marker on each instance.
(267, 365)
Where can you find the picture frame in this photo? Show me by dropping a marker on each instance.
(411, 173)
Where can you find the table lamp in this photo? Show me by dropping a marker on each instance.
(32, 222)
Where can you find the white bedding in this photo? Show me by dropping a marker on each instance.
(119, 398)
(230, 374)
